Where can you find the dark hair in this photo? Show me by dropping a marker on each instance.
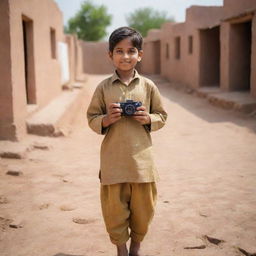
(123, 33)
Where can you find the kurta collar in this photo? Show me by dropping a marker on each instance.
(115, 76)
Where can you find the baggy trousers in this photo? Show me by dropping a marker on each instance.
(128, 206)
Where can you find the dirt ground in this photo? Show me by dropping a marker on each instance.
(206, 157)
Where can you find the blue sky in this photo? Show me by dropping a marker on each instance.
(119, 9)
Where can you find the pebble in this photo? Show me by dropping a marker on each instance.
(245, 252)
(67, 208)
(83, 221)
(14, 173)
(15, 226)
(196, 247)
(213, 240)
(42, 146)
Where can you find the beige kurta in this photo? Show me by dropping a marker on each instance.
(126, 151)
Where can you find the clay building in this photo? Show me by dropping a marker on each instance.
(151, 62)
(36, 60)
(238, 46)
(95, 58)
(75, 59)
(182, 47)
(215, 47)
(180, 54)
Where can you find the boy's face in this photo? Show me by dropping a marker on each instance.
(125, 56)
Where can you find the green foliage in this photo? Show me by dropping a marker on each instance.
(90, 22)
(144, 19)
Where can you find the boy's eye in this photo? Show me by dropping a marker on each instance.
(132, 51)
(119, 51)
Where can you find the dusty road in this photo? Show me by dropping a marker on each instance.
(206, 158)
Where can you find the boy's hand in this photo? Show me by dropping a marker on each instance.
(113, 114)
(142, 116)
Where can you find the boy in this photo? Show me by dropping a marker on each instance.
(127, 171)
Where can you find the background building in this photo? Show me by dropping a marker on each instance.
(214, 47)
(36, 60)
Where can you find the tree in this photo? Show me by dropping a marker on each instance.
(90, 22)
(144, 19)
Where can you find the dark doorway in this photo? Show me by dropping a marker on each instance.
(157, 56)
(209, 57)
(28, 43)
(240, 56)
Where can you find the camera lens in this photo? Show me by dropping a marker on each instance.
(129, 109)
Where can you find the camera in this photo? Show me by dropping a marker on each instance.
(129, 107)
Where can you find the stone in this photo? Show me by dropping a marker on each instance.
(245, 252)
(67, 208)
(83, 221)
(15, 226)
(193, 243)
(13, 155)
(42, 146)
(203, 214)
(13, 150)
(59, 133)
(16, 223)
(195, 247)
(14, 172)
(213, 240)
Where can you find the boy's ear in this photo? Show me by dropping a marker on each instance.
(110, 54)
(140, 55)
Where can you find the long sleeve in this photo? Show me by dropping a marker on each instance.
(157, 113)
(126, 150)
(96, 111)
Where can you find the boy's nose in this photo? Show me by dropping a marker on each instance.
(126, 55)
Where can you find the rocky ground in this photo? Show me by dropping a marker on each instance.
(206, 156)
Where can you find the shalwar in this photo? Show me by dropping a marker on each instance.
(128, 206)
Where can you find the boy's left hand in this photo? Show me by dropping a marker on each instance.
(142, 116)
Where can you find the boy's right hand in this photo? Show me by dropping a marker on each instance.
(113, 114)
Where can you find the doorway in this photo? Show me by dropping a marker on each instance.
(209, 57)
(29, 68)
(157, 56)
(240, 53)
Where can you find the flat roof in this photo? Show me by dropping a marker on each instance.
(241, 17)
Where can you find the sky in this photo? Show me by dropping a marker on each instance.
(120, 9)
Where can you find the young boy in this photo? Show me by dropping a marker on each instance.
(127, 171)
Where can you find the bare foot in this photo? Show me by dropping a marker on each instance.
(122, 250)
(134, 248)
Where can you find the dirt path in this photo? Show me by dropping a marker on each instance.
(207, 163)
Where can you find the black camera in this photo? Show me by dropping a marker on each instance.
(129, 107)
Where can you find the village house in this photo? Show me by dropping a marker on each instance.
(36, 61)
(214, 48)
